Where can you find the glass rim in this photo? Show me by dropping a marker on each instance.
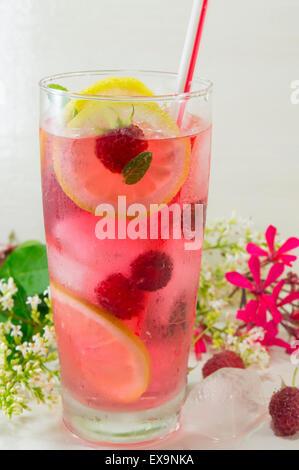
(205, 86)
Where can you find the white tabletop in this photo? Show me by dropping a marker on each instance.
(42, 428)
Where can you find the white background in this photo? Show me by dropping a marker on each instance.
(250, 50)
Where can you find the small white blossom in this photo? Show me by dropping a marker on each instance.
(18, 369)
(23, 348)
(3, 286)
(6, 327)
(230, 339)
(33, 301)
(49, 335)
(12, 288)
(256, 334)
(246, 222)
(7, 302)
(218, 304)
(47, 293)
(37, 346)
(16, 331)
(243, 347)
(9, 287)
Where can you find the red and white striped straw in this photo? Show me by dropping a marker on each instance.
(190, 50)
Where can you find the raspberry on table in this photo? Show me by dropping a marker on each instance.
(119, 295)
(119, 146)
(221, 360)
(284, 410)
(151, 270)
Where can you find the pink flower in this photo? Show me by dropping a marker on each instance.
(257, 287)
(270, 339)
(293, 295)
(200, 345)
(255, 311)
(295, 316)
(272, 254)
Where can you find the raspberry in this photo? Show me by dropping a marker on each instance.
(120, 296)
(118, 146)
(152, 270)
(284, 410)
(220, 360)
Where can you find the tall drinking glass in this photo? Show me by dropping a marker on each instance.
(125, 173)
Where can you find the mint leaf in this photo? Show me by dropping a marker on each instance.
(135, 170)
(63, 100)
(27, 264)
(57, 87)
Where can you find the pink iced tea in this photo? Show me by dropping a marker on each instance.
(123, 307)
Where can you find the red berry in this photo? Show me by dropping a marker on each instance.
(152, 270)
(118, 146)
(220, 360)
(284, 410)
(120, 296)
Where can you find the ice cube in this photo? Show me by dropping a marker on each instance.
(225, 405)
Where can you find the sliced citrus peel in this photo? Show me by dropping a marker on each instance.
(115, 86)
(82, 176)
(88, 183)
(112, 360)
(91, 116)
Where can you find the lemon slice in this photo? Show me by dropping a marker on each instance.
(115, 86)
(88, 182)
(93, 117)
(94, 345)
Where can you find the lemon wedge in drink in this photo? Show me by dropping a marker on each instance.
(109, 358)
(82, 175)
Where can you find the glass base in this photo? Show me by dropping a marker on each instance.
(107, 427)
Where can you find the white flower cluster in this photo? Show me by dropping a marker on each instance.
(224, 250)
(28, 364)
(29, 375)
(249, 347)
(39, 344)
(7, 291)
(218, 304)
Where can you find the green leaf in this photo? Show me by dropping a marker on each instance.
(57, 87)
(135, 170)
(27, 264)
(63, 100)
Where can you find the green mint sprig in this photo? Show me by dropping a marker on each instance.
(54, 86)
(135, 170)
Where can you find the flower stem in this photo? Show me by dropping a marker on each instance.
(200, 336)
(16, 317)
(294, 377)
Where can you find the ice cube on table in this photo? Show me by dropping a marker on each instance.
(227, 404)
